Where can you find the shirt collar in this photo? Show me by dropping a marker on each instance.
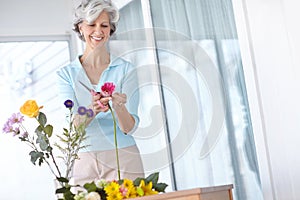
(114, 61)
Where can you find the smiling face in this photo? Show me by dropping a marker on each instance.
(97, 33)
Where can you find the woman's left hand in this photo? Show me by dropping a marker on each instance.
(118, 100)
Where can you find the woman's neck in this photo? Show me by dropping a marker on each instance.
(95, 58)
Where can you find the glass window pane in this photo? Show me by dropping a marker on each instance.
(27, 71)
(206, 101)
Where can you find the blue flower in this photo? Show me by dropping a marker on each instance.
(82, 110)
(69, 103)
(90, 112)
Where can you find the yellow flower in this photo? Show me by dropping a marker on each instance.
(30, 108)
(147, 189)
(128, 184)
(131, 192)
(112, 188)
(114, 196)
(140, 191)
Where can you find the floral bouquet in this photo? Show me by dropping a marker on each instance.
(69, 146)
(117, 190)
(40, 143)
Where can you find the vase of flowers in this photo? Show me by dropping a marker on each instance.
(70, 142)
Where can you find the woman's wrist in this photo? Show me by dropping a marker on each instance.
(93, 109)
(119, 107)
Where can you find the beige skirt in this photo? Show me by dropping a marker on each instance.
(103, 165)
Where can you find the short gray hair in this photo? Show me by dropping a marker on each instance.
(90, 10)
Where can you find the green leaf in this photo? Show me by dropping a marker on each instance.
(137, 181)
(90, 187)
(61, 190)
(153, 178)
(160, 187)
(62, 139)
(42, 118)
(63, 179)
(48, 130)
(36, 155)
(43, 141)
(102, 193)
(41, 161)
(39, 129)
(49, 148)
(68, 195)
(66, 191)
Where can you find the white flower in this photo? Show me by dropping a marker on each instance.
(101, 183)
(80, 196)
(92, 196)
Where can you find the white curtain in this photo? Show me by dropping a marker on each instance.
(195, 123)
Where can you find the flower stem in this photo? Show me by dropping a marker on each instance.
(51, 152)
(55, 164)
(116, 142)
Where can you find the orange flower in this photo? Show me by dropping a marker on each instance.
(30, 108)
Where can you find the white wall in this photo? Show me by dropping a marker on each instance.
(269, 38)
(35, 17)
(25, 20)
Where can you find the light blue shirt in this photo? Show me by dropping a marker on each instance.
(100, 133)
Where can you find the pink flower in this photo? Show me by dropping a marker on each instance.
(16, 118)
(25, 134)
(123, 190)
(107, 89)
(13, 124)
(8, 127)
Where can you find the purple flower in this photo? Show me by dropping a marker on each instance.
(90, 112)
(69, 103)
(25, 134)
(81, 110)
(16, 118)
(12, 125)
(8, 128)
(16, 131)
(11, 128)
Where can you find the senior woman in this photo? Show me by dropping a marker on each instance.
(94, 22)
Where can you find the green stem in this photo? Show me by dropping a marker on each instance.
(116, 142)
(51, 153)
(55, 164)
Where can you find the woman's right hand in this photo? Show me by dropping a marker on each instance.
(100, 103)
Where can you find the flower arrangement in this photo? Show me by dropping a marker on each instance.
(40, 143)
(42, 149)
(70, 143)
(122, 189)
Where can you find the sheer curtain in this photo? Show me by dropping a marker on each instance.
(195, 123)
